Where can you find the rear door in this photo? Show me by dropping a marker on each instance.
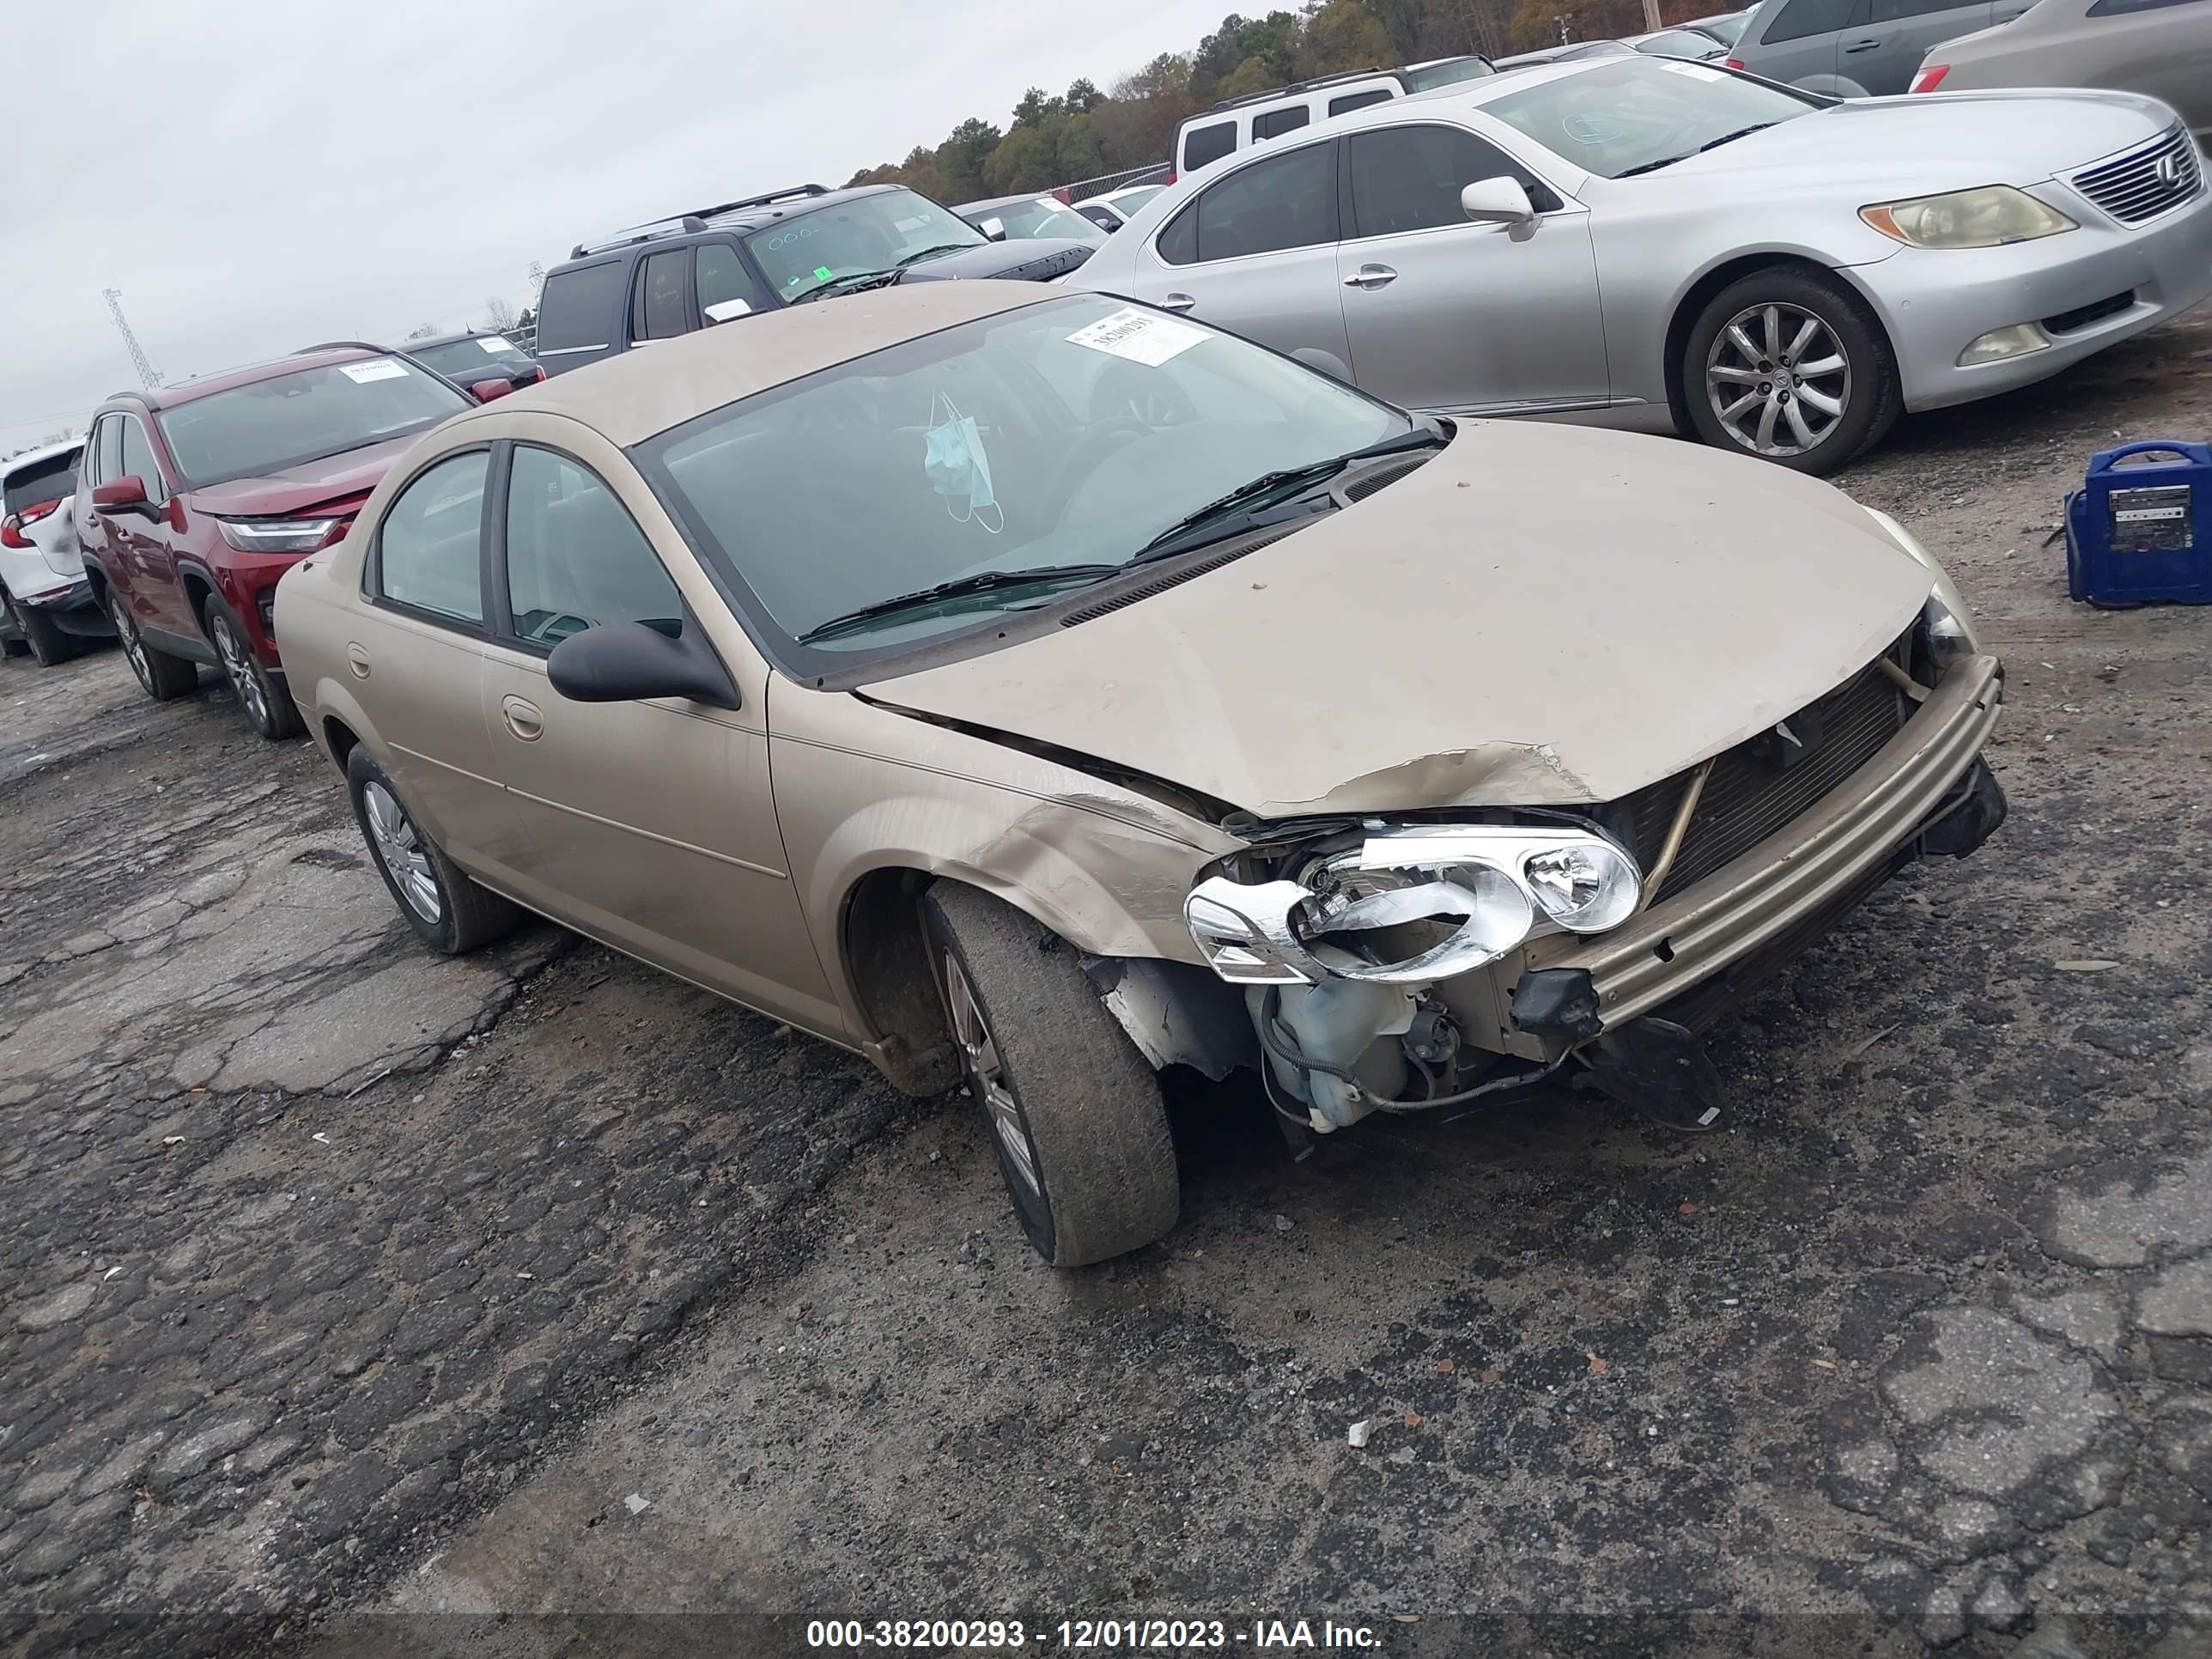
(1795, 42)
(660, 306)
(1883, 44)
(1445, 315)
(580, 314)
(1254, 252)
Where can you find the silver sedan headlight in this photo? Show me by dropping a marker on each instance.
(1411, 906)
(1989, 217)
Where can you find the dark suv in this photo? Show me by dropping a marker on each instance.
(656, 281)
(197, 497)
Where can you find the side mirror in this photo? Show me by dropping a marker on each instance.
(1499, 201)
(634, 661)
(484, 391)
(993, 229)
(124, 494)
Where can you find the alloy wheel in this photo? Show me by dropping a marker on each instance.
(240, 667)
(126, 633)
(987, 1076)
(400, 849)
(1778, 378)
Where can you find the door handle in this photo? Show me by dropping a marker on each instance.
(358, 660)
(523, 718)
(1863, 46)
(1177, 302)
(1371, 277)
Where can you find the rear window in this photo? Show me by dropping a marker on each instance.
(578, 307)
(466, 359)
(41, 481)
(291, 419)
(1800, 18)
(1203, 144)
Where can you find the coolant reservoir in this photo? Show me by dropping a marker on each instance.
(1341, 1023)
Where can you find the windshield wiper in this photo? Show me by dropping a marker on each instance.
(982, 582)
(1712, 143)
(920, 254)
(846, 283)
(1184, 533)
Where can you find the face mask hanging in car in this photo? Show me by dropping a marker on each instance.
(957, 467)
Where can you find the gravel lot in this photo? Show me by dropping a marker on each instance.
(338, 1279)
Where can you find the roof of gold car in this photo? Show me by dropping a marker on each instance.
(630, 398)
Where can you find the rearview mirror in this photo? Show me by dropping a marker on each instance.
(993, 229)
(484, 391)
(124, 494)
(634, 661)
(1499, 201)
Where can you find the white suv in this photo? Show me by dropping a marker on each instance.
(1236, 122)
(46, 602)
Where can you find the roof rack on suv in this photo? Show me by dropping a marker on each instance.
(695, 219)
(1297, 86)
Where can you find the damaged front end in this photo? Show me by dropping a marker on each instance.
(1389, 965)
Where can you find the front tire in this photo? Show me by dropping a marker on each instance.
(1789, 365)
(1077, 1122)
(165, 677)
(267, 702)
(448, 911)
(45, 637)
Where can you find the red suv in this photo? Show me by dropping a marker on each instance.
(196, 498)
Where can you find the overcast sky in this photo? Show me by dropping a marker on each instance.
(256, 176)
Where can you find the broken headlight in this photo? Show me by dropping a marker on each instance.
(1944, 628)
(1411, 906)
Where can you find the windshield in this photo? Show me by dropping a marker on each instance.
(465, 360)
(1040, 218)
(1727, 28)
(1449, 72)
(1625, 113)
(282, 421)
(1067, 434)
(1128, 201)
(1687, 43)
(805, 251)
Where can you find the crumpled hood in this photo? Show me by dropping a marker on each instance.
(342, 477)
(1541, 615)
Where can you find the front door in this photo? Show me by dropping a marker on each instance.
(649, 825)
(143, 543)
(1256, 253)
(1445, 315)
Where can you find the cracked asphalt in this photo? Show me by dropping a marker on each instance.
(350, 1297)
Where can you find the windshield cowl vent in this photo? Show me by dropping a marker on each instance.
(1174, 579)
(1374, 477)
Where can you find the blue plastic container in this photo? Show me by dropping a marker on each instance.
(2142, 534)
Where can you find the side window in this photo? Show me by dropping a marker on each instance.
(726, 288)
(577, 309)
(429, 547)
(1359, 99)
(1178, 243)
(1273, 124)
(109, 441)
(1802, 17)
(1288, 201)
(657, 307)
(1409, 178)
(1893, 11)
(1204, 145)
(139, 458)
(575, 558)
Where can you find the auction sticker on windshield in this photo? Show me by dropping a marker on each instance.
(361, 373)
(1138, 336)
(1695, 71)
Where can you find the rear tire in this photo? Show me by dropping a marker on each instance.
(263, 695)
(12, 643)
(448, 911)
(1744, 386)
(165, 677)
(40, 633)
(1076, 1118)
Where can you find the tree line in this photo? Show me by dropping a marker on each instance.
(1084, 132)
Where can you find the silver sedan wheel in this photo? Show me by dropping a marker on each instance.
(985, 1076)
(240, 667)
(1778, 378)
(399, 847)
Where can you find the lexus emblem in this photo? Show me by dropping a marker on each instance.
(2168, 170)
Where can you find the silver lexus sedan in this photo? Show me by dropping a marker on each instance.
(1677, 247)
